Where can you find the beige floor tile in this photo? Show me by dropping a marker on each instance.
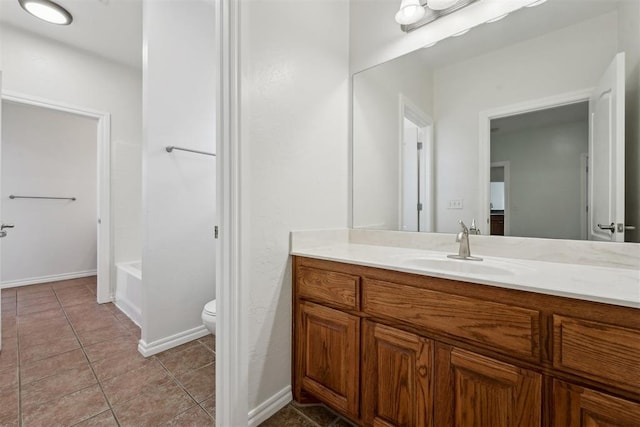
(134, 383)
(209, 405)
(193, 417)
(9, 408)
(8, 378)
(55, 386)
(209, 341)
(96, 336)
(188, 360)
(118, 365)
(33, 371)
(43, 351)
(200, 383)
(9, 353)
(105, 419)
(68, 410)
(154, 407)
(45, 336)
(106, 349)
(318, 413)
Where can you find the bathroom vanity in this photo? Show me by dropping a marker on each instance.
(409, 347)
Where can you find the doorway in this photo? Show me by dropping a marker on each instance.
(60, 187)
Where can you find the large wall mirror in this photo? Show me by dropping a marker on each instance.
(521, 124)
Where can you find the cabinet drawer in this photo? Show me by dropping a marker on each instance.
(597, 350)
(339, 289)
(504, 328)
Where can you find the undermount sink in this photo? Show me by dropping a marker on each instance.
(458, 266)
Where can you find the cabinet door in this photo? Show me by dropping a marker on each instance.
(328, 355)
(575, 406)
(474, 390)
(396, 378)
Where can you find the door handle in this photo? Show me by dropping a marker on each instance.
(630, 227)
(3, 226)
(3, 234)
(611, 228)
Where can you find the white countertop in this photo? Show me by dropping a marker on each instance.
(618, 286)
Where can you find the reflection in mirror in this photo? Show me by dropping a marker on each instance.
(505, 114)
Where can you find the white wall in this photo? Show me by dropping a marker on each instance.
(544, 179)
(48, 153)
(563, 61)
(376, 125)
(38, 67)
(629, 41)
(178, 268)
(294, 156)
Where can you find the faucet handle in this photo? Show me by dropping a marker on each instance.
(464, 227)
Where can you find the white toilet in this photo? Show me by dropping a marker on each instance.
(209, 316)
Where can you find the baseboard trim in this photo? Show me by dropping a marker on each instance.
(46, 279)
(270, 406)
(157, 346)
(132, 312)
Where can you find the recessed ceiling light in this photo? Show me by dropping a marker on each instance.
(47, 11)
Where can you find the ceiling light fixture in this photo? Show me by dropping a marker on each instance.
(441, 4)
(411, 11)
(47, 11)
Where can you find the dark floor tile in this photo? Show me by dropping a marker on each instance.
(200, 383)
(287, 417)
(317, 413)
(105, 419)
(33, 371)
(341, 422)
(43, 351)
(68, 410)
(154, 407)
(55, 386)
(134, 383)
(188, 360)
(193, 417)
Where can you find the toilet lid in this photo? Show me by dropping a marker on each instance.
(210, 307)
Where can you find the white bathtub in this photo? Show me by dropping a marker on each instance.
(129, 289)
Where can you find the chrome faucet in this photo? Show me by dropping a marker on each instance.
(474, 229)
(463, 251)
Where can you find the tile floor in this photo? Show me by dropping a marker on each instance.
(67, 360)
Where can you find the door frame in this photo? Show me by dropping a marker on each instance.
(408, 109)
(104, 291)
(232, 286)
(484, 145)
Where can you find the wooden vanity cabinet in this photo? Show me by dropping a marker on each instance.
(397, 377)
(386, 348)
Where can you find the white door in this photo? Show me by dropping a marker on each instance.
(606, 155)
(410, 178)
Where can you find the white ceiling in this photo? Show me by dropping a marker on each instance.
(108, 28)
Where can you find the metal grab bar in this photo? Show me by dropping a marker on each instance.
(42, 197)
(171, 148)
